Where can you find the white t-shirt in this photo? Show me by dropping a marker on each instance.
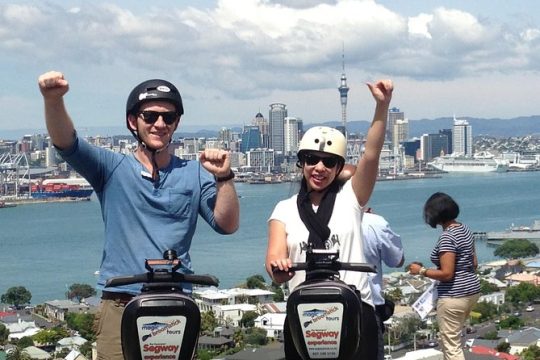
(346, 236)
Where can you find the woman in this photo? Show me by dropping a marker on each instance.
(455, 258)
(337, 207)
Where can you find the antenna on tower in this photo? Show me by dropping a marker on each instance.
(343, 90)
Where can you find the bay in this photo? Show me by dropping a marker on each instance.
(47, 247)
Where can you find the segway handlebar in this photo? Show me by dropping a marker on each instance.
(158, 277)
(163, 272)
(327, 260)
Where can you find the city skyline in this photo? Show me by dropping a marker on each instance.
(232, 59)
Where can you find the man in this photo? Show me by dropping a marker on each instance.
(150, 199)
(381, 244)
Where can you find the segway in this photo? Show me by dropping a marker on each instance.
(162, 322)
(324, 313)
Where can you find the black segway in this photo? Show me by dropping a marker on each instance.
(162, 322)
(324, 313)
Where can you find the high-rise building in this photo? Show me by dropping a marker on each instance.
(462, 138)
(276, 120)
(400, 133)
(343, 91)
(262, 123)
(251, 138)
(448, 133)
(290, 135)
(433, 145)
(393, 115)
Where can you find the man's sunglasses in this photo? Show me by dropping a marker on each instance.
(150, 117)
(328, 162)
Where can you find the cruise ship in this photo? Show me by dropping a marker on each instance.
(476, 164)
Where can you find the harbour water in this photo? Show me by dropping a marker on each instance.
(47, 247)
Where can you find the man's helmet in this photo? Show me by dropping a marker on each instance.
(152, 90)
(324, 139)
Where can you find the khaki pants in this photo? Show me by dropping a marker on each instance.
(108, 323)
(452, 312)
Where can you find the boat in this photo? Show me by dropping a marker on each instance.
(467, 164)
(4, 204)
(531, 233)
(69, 188)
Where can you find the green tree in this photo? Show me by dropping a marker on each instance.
(17, 296)
(516, 248)
(503, 347)
(248, 319)
(4, 334)
(522, 293)
(531, 353)
(256, 336)
(50, 336)
(487, 287)
(487, 309)
(208, 322)
(25, 342)
(80, 291)
(256, 282)
(395, 295)
(83, 323)
(511, 322)
(238, 338)
(86, 349)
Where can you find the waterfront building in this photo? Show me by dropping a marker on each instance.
(251, 138)
(276, 119)
(291, 135)
(260, 159)
(225, 137)
(262, 124)
(462, 139)
(393, 115)
(433, 145)
(448, 133)
(411, 147)
(400, 133)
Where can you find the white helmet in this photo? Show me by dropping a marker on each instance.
(324, 139)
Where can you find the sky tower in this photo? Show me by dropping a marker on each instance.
(343, 90)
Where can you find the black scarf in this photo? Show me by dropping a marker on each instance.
(317, 222)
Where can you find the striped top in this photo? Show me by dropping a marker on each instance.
(459, 240)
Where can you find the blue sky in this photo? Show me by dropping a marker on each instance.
(232, 58)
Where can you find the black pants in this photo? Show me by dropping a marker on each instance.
(368, 340)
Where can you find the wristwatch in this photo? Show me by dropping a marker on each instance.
(422, 271)
(226, 177)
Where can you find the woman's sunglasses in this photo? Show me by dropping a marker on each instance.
(312, 159)
(150, 117)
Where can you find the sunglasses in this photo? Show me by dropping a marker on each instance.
(150, 117)
(328, 162)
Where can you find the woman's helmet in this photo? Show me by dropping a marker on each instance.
(324, 139)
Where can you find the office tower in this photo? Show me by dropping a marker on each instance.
(251, 138)
(448, 133)
(225, 137)
(343, 90)
(462, 138)
(276, 119)
(393, 115)
(400, 133)
(434, 145)
(262, 123)
(290, 136)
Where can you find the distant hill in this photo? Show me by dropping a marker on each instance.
(500, 128)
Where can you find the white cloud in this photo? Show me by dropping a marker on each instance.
(251, 51)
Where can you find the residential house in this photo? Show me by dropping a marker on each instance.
(519, 340)
(273, 324)
(71, 343)
(57, 309)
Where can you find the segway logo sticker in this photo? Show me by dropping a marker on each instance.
(321, 329)
(161, 337)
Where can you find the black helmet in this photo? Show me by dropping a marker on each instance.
(154, 89)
